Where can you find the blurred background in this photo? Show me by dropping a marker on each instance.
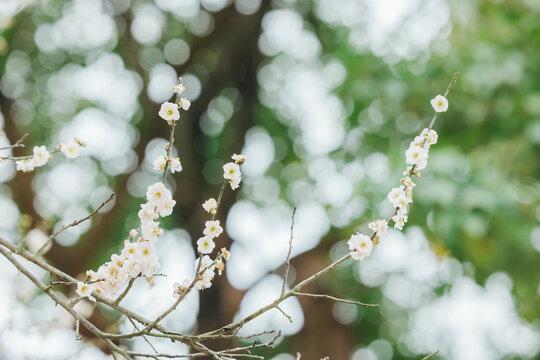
(323, 97)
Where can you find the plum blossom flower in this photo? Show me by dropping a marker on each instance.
(399, 220)
(159, 163)
(380, 227)
(41, 155)
(212, 229)
(360, 246)
(209, 205)
(169, 111)
(157, 194)
(71, 149)
(176, 165)
(439, 103)
(85, 290)
(205, 245)
(26, 165)
(184, 103)
(415, 155)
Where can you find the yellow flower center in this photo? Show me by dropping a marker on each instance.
(440, 103)
(169, 112)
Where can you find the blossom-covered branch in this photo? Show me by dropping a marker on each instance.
(112, 281)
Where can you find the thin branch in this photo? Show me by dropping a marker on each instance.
(335, 299)
(144, 337)
(285, 314)
(168, 148)
(288, 262)
(450, 86)
(125, 292)
(19, 143)
(431, 355)
(74, 223)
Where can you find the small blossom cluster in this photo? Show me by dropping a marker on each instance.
(416, 156)
(162, 161)
(206, 268)
(170, 111)
(137, 258)
(231, 171)
(41, 156)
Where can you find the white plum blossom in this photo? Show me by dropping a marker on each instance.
(147, 212)
(360, 246)
(207, 272)
(395, 194)
(380, 227)
(231, 170)
(41, 155)
(157, 194)
(430, 136)
(169, 111)
(71, 149)
(166, 208)
(159, 163)
(26, 165)
(439, 103)
(176, 165)
(184, 103)
(205, 245)
(209, 205)
(235, 182)
(129, 250)
(416, 155)
(150, 230)
(133, 267)
(399, 220)
(407, 181)
(85, 290)
(212, 229)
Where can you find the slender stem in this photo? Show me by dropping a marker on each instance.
(220, 196)
(74, 223)
(25, 156)
(19, 143)
(168, 148)
(335, 299)
(288, 262)
(431, 355)
(125, 292)
(450, 86)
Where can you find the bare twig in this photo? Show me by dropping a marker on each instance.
(19, 143)
(284, 314)
(336, 299)
(288, 262)
(431, 355)
(125, 292)
(74, 223)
